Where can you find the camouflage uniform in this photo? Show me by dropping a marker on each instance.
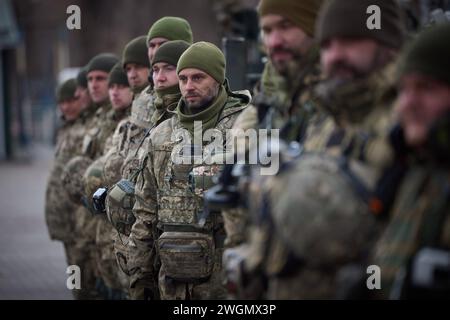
(278, 104)
(99, 143)
(56, 207)
(83, 253)
(59, 209)
(167, 211)
(123, 162)
(347, 156)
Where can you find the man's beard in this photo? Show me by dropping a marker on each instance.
(287, 68)
(200, 105)
(343, 70)
(204, 103)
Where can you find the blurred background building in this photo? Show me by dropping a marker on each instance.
(37, 49)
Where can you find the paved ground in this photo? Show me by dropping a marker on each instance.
(31, 265)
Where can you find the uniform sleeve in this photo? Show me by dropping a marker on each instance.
(141, 247)
(235, 219)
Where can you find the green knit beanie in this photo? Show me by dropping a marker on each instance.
(429, 54)
(136, 52)
(82, 78)
(102, 62)
(348, 18)
(170, 52)
(66, 91)
(171, 28)
(302, 13)
(118, 76)
(206, 57)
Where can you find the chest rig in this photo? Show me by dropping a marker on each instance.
(189, 234)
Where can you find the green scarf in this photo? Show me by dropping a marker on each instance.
(208, 117)
(138, 90)
(166, 100)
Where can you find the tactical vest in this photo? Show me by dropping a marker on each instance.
(187, 235)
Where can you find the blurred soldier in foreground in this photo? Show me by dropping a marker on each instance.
(170, 225)
(283, 97)
(315, 220)
(413, 253)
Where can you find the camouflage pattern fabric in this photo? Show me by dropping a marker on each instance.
(291, 106)
(363, 141)
(168, 200)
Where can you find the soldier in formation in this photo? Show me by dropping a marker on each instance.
(146, 203)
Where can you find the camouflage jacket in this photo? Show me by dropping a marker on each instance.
(277, 104)
(125, 160)
(358, 143)
(58, 208)
(97, 142)
(165, 196)
(99, 130)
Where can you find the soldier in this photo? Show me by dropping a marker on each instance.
(313, 222)
(120, 199)
(136, 64)
(122, 159)
(169, 220)
(287, 34)
(58, 210)
(82, 92)
(121, 96)
(119, 89)
(163, 30)
(283, 97)
(105, 118)
(81, 254)
(93, 126)
(417, 239)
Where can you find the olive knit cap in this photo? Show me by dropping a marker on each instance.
(349, 18)
(429, 54)
(302, 13)
(136, 52)
(102, 62)
(118, 76)
(170, 52)
(171, 28)
(66, 91)
(204, 56)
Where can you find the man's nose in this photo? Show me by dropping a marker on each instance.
(274, 39)
(334, 52)
(189, 85)
(160, 77)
